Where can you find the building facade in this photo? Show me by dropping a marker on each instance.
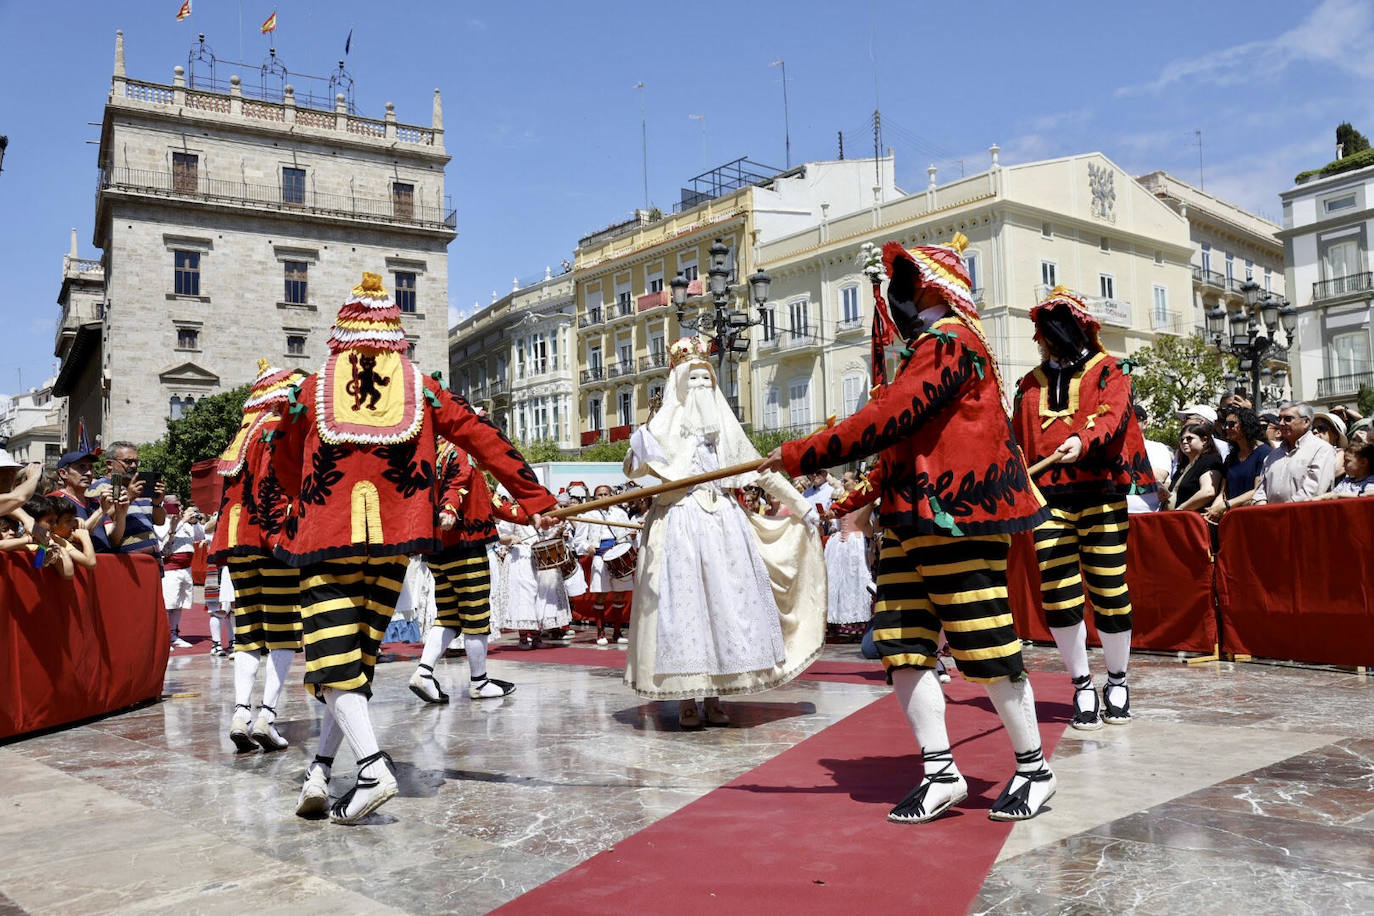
(232, 227)
(625, 319)
(79, 342)
(515, 359)
(30, 425)
(1327, 223)
(1079, 221)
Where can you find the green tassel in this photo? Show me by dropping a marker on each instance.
(1127, 365)
(1102, 382)
(904, 353)
(296, 411)
(944, 519)
(439, 377)
(268, 435)
(432, 398)
(979, 362)
(944, 336)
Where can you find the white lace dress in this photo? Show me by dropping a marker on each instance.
(534, 600)
(846, 565)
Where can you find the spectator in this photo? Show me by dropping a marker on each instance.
(43, 511)
(1195, 483)
(15, 490)
(819, 491)
(1358, 479)
(1300, 469)
(1359, 432)
(1161, 460)
(1243, 428)
(1331, 428)
(12, 536)
(1235, 399)
(69, 535)
(76, 472)
(1349, 416)
(1272, 434)
(145, 509)
(176, 541)
(1204, 413)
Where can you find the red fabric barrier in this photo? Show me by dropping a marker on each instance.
(207, 487)
(1169, 572)
(74, 649)
(1297, 582)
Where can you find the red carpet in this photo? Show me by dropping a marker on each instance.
(806, 832)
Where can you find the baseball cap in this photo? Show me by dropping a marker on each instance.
(1206, 411)
(75, 456)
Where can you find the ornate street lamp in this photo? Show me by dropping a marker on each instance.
(4, 145)
(1250, 333)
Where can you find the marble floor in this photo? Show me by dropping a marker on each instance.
(1239, 788)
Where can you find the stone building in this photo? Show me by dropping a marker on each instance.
(622, 275)
(80, 332)
(1079, 221)
(30, 427)
(1328, 220)
(232, 222)
(514, 358)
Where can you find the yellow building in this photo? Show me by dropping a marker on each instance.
(621, 276)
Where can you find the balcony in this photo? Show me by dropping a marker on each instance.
(1209, 278)
(591, 318)
(619, 370)
(798, 340)
(591, 437)
(653, 361)
(620, 433)
(846, 325)
(618, 310)
(594, 374)
(195, 187)
(770, 342)
(498, 389)
(1342, 286)
(652, 300)
(1167, 322)
(1335, 386)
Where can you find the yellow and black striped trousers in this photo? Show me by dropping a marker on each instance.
(346, 605)
(1083, 542)
(267, 612)
(926, 582)
(462, 588)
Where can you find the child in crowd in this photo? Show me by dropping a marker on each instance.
(12, 536)
(46, 552)
(69, 536)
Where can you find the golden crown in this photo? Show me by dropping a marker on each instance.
(693, 349)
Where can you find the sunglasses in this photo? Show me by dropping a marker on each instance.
(1322, 428)
(1227, 424)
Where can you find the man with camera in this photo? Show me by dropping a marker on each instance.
(176, 540)
(76, 471)
(145, 500)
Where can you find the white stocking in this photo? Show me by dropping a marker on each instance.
(174, 621)
(476, 647)
(245, 671)
(278, 664)
(923, 702)
(1073, 648)
(436, 644)
(1116, 650)
(1015, 703)
(330, 738)
(350, 710)
(215, 630)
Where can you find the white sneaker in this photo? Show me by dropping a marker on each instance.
(369, 793)
(238, 729)
(180, 643)
(314, 800)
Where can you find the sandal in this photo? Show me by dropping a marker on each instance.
(688, 715)
(912, 809)
(1086, 720)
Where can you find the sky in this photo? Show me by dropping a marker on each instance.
(543, 120)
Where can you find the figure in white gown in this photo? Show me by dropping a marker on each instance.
(534, 600)
(725, 602)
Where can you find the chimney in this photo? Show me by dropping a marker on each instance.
(437, 121)
(119, 54)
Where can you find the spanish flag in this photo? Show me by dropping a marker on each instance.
(271, 24)
(184, 11)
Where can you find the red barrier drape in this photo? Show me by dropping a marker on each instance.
(78, 648)
(1296, 581)
(207, 487)
(1169, 572)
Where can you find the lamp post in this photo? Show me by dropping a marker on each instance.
(726, 326)
(1250, 333)
(4, 145)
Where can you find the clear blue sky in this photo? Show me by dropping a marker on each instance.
(544, 126)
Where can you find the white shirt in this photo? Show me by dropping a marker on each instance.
(185, 538)
(1160, 456)
(1297, 474)
(588, 536)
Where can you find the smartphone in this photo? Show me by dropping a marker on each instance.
(149, 479)
(117, 484)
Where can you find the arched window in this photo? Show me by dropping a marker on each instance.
(174, 408)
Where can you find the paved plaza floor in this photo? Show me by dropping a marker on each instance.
(1242, 788)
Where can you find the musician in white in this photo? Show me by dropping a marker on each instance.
(610, 601)
(725, 602)
(536, 600)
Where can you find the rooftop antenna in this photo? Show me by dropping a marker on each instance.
(643, 140)
(201, 52)
(341, 81)
(1200, 185)
(786, 127)
(877, 106)
(702, 118)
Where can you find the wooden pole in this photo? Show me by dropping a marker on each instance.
(601, 521)
(1043, 464)
(746, 467)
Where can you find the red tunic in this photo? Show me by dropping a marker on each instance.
(369, 499)
(950, 464)
(1093, 403)
(463, 490)
(254, 506)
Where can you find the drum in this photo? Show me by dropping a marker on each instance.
(553, 553)
(621, 560)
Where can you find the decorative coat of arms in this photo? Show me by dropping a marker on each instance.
(1100, 182)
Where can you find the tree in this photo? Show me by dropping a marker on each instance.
(1351, 140)
(1172, 373)
(203, 432)
(1364, 401)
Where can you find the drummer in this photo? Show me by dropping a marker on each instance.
(610, 595)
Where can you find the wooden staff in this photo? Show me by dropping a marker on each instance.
(1043, 464)
(601, 521)
(747, 467)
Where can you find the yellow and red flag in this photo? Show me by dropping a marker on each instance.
(271, 24)
(184, 11)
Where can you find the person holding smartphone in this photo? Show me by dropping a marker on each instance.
(145, 500)
(177, 539)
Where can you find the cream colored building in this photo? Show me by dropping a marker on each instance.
(1079, 221)
(514, 359)
(233, 221)
(625, 320)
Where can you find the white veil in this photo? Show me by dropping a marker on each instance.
(668, 449)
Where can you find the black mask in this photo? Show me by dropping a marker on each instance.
(1064, 337)
(901, 298)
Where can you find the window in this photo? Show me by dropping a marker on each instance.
(1249, 271)
(1336, 204)
(798, 318)
(295, 344)
(1159, 256)
(188, 339)
(654, 282)
(185, 172)
(1049, 274)
(1106, 285)
(622, 299)
(1343, 260)
(539, 415)
(799, 402)
(594, 359)
(656, 346)
(1349, 353)
(556, 424)
(626, 408)
(410, 348)
(520, 358)
(656, 393)
(292, 185)
(52, 453)
(175, 408)
(849, 304)
(1206, 257)
(1046, 231)
(1268, 278)
(625, 352)
(594, 413)
(689, 269)
(296, 285)
(405, 291)
(971, 262)
(402, 200)
(553, 357)
(770, 409)
(186, 278)
(1230, 266)
(1104, 245)
(853, 391)
(769, 322)
(1161, 305)
(539, 354)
